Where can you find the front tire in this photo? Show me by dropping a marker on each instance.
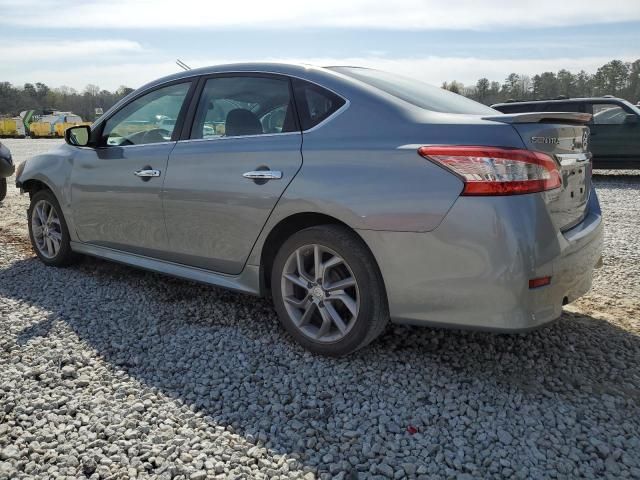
(48, 230)
(3, 188)
(328, 291)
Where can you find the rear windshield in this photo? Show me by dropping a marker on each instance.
(416, 93)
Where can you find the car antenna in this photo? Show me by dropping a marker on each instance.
(182, 65)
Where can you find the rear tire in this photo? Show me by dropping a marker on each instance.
(3, 188)
(328, 291)
(48, 230)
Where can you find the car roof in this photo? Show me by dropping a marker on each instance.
(292, 69)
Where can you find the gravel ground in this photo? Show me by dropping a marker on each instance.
(112, 372)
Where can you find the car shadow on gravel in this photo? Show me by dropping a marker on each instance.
(225, 355)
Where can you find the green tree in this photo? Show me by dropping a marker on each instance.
(611, 78)
(482, 89)
(566, 83)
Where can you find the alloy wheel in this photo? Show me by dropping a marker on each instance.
(46, 228)
(320, 293)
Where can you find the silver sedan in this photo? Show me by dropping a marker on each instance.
(351, 196)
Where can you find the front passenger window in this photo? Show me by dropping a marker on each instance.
(150, 118)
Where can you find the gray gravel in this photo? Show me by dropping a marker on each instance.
(111, 372)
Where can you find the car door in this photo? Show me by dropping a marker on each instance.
(225, 177)
(116, 186)
(613, 138)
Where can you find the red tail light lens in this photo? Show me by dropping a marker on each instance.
(497, 171)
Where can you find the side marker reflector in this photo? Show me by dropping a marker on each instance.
(539, 282)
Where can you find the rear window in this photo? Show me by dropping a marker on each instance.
(415, 92)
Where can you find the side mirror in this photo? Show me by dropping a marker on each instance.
(78, 136)
(631, 118)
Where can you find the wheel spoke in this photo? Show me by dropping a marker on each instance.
(326, 266)
(37, 230)
(56, 244)
(341, 284)
(51, 215)
(49, 244)
(296, 280)
(335, 316)
(296, 302)
(317, 257)
(40, 214)
(308, 313)
(347, 301)
(300, 263)
(326, 323)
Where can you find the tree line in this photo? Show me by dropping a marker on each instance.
(39, 97)
(617, 78)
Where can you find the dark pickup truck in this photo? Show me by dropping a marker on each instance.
(615, 126)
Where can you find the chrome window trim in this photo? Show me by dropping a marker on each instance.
(222, 137)
(130, 146)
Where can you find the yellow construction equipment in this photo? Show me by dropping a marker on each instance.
(41, 129)
(11, 127)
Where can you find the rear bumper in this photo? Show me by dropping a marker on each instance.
(473, 271)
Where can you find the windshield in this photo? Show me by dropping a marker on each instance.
(417, 93)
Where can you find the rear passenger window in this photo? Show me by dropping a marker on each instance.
(233, 106)
(314, 103)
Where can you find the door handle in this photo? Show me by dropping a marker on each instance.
(263, 175)
(147, 172)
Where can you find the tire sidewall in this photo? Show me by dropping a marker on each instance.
(64, 256)
(3, 188)
(356, 254)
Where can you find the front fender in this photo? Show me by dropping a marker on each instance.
(53, 169)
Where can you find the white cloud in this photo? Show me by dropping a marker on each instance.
(432, 70)
(399, 14)
(107, 76)
(29, 50)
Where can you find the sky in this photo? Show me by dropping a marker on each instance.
(130, 42)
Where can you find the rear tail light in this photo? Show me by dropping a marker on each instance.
(495, 170)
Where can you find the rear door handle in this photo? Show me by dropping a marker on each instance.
(147, 172)
(263, 175)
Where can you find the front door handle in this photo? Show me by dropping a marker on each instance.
(263, 175)
(147, 173)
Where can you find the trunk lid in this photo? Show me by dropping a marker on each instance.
(565, 137)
